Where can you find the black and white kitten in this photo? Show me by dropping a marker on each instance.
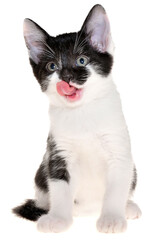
(88, 164)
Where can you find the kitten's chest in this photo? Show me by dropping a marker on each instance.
(90, 161)
(81, 122)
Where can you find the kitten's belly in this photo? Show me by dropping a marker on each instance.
(88, 198)
(90, 175)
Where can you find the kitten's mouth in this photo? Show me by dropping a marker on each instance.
(71, 93)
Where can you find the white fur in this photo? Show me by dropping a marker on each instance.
(59, 217)
(132, 210)
(53, 223)
(111, 223)
(42, 199)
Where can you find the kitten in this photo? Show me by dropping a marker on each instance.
(88, 164)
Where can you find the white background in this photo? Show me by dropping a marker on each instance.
(24, 120)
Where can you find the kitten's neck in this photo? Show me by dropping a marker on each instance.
(108, 94)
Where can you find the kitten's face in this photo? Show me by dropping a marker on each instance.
(71, 67)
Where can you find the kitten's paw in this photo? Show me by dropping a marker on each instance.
(111, 224)
(132, 210)
(49, 223)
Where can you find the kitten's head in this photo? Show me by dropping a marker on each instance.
(72, 68)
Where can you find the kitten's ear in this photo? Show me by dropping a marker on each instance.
(97, 27)
(35, 38)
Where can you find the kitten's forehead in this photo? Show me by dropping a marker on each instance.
(65, 47)
(65, 42)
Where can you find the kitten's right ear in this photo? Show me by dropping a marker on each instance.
(97, 28)
(35, 38)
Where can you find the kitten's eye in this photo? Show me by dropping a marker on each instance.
(82, 61)
(51, 66)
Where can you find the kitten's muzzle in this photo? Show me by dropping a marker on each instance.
(66, 75)
(69, 92)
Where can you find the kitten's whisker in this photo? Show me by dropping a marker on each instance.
(76, 42)
(49, 54)
(81, 32)
(82, 44)
(50, 49)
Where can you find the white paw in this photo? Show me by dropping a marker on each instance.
(50, 223)
(132, 210)
(111, 224)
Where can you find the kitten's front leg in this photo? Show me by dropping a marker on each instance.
(59, 217)
(118, 182)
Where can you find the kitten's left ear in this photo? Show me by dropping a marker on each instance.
(97, 27)
(35, 38)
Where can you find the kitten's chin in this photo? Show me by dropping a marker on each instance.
(68, 102)
(75, 96)
(72, 101)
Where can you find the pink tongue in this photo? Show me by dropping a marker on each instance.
(63, 88)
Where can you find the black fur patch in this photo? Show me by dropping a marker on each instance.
(53, 166)
(29, 210)
(57, 167)
(134, 181)
(41, 178)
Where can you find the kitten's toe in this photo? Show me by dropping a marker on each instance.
(49, 223)
(111, 224)
(132, 210)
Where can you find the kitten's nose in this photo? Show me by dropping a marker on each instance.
(66, 75)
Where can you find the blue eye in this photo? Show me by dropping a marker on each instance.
(51, 67)
(82, 61)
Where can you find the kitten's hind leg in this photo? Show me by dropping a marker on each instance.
(41, 198)
(132, 210)
(59, 187)
(33, 209)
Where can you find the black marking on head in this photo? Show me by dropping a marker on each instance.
(63, 46)
(29, 210)
(41, 178)
(67, 69)
(57, 167)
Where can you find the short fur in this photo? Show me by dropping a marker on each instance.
(88, 163)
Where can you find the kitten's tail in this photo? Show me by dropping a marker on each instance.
(29, 210)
